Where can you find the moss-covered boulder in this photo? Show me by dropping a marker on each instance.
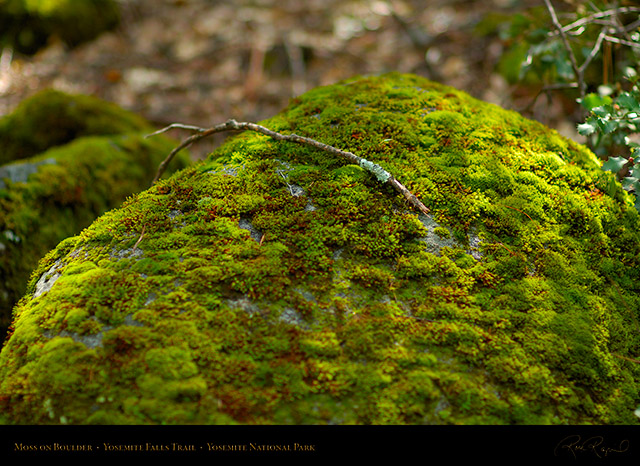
(27, 25)
(51, 118)
(48, 197)
(273, 284)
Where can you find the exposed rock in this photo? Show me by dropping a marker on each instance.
(515, 303)
(20, 172)
(46, 281)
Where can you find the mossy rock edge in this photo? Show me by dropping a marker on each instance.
(272, 284)
(70, 158)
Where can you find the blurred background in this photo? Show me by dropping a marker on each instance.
(201, 62)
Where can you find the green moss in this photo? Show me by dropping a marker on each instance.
(74, 173)
(66, 189)
(277, 284)
(442, 232)
(27, 25)
(52, 118)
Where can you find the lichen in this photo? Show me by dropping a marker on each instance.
(516, 302)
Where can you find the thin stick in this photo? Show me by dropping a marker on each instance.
(232, 125)
(594, 51)
(517, 210)
(615, 40)
(139, 239)
(601, 14)
(574, 64)
(632, 26)
(173, 126)
(296, 63)
(547, 88)
(625, 358)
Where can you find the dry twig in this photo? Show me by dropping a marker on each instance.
(232, 125)
(546, 90)
(572, 58)
(518, 210)
(609, 21)
(601, 14)
(135, 246)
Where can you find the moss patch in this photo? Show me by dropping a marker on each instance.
(75, 176)
(276, 285)
(27, 25)
(52, 118)
(55, 195)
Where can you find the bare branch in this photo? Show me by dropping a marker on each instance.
(602, 14)
(547, 88)
(173, 126)
(625, 358)
(421, 40)
(619, 26)
(594, 51)
(632, 26)
(615, 40)
(232, 125)
(296, 63)
(139, 239)
(574, 64)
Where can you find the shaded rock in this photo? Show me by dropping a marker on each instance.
(20, 172)
(74, 157)
(52, 118)
(48, 198)
(515, 302)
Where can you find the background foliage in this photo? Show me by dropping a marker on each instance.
(589, 51)
(27, 25)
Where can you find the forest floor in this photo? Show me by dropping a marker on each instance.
(201, 62)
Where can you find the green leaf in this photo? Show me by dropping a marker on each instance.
(586, 129)
(628, 101)
(611, 125)
(614, 164)
(593, 100)
(563, 66)
(631, 184)
(602, 110)
(607, 126)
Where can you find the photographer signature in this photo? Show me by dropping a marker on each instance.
(594, 445)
